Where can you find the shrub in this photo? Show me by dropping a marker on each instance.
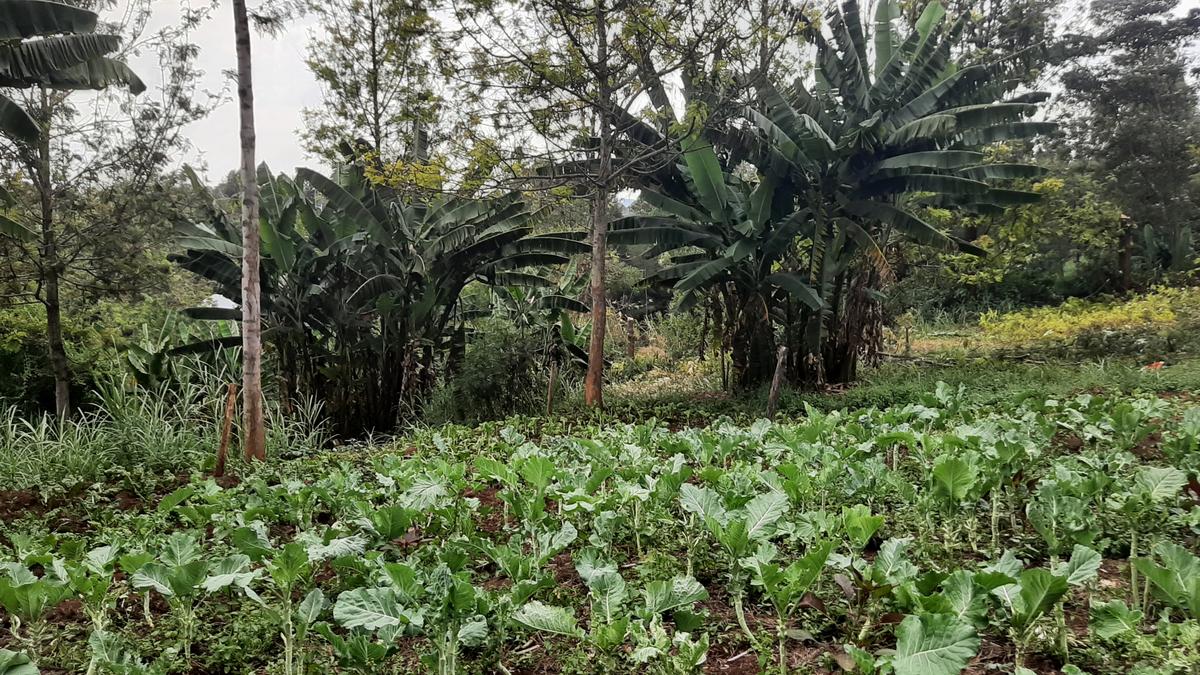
(502, 374)
(1075, 317)
(680, 333)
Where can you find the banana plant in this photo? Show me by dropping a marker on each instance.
(53, 45)
(361, 284)
(843, 165)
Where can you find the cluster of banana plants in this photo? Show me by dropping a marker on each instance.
(918, 539)
(361, 283)
(782, 219)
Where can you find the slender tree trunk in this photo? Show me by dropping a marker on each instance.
(373, 82)
(52, 271)
(1125, 254)
(252, 397)
(594, 381)
(630, 338)
(764, 46)
(550, 386)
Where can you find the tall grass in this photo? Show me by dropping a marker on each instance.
(135, 432)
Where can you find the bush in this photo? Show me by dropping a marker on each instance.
(1075, 317)
(502, 374)
(28, 382)
(680, 333)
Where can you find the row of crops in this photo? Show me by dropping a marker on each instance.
(1036, 536)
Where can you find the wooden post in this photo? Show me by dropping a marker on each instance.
(550, 388)
(776, 381)
(630, 338)
(226, 430)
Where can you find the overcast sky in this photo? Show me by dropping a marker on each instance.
(283, 87)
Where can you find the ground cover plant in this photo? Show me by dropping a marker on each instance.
(1031, 534)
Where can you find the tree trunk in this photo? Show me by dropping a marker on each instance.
(753, 346)
(252, 396)
(52, 271)
(550, 387)
(630, 338)
(1125, 253)
(594, 381)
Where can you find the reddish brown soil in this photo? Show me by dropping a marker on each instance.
(491, 509)
(1149, 448)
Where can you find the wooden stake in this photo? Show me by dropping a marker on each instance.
(226, 430)
(550, 388)
(776, 381)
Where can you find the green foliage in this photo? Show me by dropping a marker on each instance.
(934, 643)
(70, 55)
(1176, 580)
(502, 374)
(800, 243)
(444, 551)
(1064, 245)
(391, 269)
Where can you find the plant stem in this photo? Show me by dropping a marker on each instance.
(995, 521)
(781, 636)
(637, 529)
(741, 619)
(866, 628)
(1133, 575)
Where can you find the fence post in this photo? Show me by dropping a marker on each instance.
(776, 381)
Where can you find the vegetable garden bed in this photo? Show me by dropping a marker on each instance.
(937, 537)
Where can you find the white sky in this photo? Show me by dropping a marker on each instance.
(283, 87)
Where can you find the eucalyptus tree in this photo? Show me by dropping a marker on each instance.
(253, 426)
(361, 283)
(377, 64)
(83, 183)
(839, 167)
(1136, 120)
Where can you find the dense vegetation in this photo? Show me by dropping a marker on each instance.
(605, 336)
(923, 538)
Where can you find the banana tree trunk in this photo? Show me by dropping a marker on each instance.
(753, 346)
(252, 396)
(858, 328)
